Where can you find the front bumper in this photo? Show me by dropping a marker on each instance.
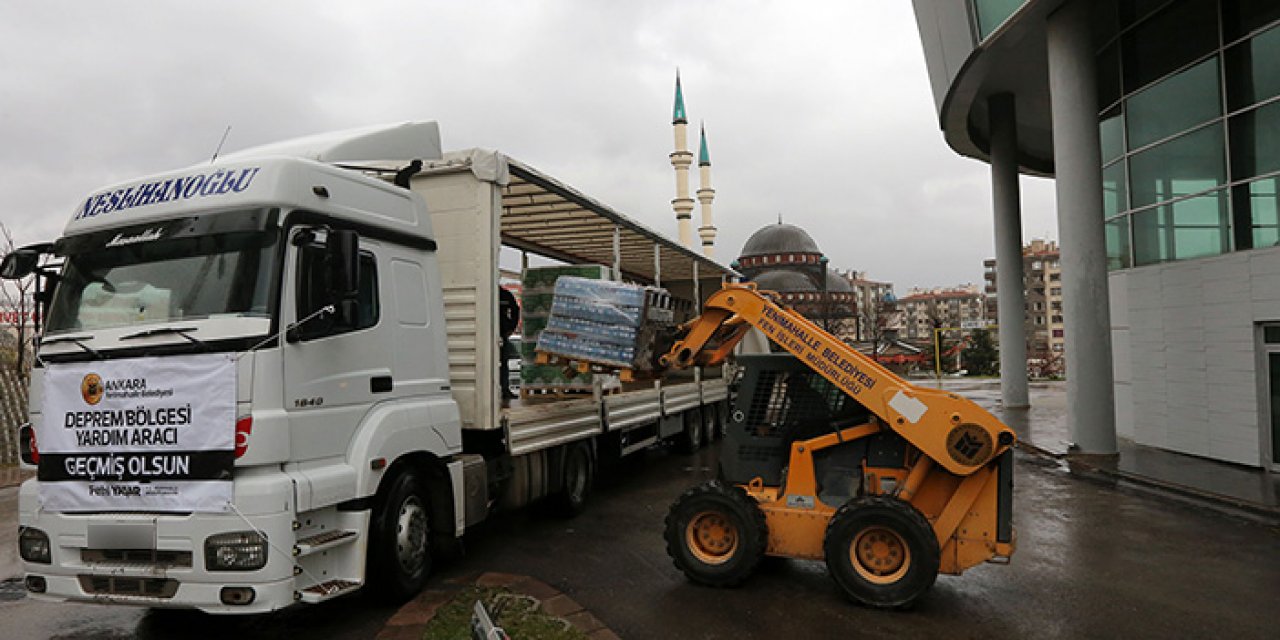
(172, 574)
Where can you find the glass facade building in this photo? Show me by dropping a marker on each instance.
(1189, 122)
(1160, 122)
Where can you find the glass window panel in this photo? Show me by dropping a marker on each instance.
(1106, 23)
(992, 13)
(1188, 164)
(1253, 69)
(1108, 77)
(1151, 238)
(1274, 363)
(1271, 335)
(1175, 104)
(1264, 212)
(1118, 256)
(1115, 197)
(1132, 11)
(1111, 132)
(1174, 37)
(1201, 226)
(1242, 17)
(1190, 228)
(1255, 142)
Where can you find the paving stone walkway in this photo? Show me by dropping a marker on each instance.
(410, 622)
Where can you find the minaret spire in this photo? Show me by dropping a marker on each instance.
(677, 114)
(705, 195)
(681, 159)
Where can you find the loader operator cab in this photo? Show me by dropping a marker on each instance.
(781, 400)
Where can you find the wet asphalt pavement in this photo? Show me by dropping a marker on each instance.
(1093, 562)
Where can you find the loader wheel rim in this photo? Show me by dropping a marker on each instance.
(712, 537)
(880, 555)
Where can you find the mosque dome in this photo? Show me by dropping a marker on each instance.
(784, 280)
(837, 284)
(779, 238)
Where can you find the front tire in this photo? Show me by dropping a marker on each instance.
(881, 551)
(399, 556)
(716, 534)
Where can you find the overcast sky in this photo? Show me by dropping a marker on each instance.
(817, 111)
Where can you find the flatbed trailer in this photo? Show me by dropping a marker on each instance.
(335, 432)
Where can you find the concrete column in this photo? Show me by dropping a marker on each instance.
(1076, 154)
(1011, 300)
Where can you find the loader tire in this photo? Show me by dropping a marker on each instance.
(716, 534)
(881, 551)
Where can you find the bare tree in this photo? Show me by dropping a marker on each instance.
(876, 320)
(17, 307)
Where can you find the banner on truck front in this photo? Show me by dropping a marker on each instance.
(142, 434)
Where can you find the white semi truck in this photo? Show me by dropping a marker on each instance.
(274, 378)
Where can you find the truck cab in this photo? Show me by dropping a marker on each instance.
(301, 293)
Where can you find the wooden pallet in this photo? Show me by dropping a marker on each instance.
(573, 366)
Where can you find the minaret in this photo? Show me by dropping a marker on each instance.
(681, 159)
(705, 195)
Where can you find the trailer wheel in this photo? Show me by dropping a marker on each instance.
(708, 419)
(576, 479)
(881, 551)
(717, 429)
(399, 556)
(693, 435)
(716, 534)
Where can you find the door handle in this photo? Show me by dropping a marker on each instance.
(380, 384)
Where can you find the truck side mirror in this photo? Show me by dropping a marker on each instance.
(343, 255)
(19, 264)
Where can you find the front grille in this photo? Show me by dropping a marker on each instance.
(136, 556)
(127, 586)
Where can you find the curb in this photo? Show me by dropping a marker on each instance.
(1225, 504)
(1037, 450)
(1228, 505)
(410, 622)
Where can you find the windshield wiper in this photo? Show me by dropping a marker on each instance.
(76, 340)
(182, 331)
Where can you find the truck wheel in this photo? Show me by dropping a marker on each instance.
(716, 534)
(577, 477)
(716, 421)
(708, 425)
(692, 436)
(399, 557)
(881, 551)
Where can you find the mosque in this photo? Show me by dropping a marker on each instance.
(779, 257)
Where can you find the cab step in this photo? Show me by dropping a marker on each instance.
(322, 541)
(328, 590)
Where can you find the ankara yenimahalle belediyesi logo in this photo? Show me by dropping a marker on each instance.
(91, 388)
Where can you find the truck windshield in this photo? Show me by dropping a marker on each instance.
(200, 277)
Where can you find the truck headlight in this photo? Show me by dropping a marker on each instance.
(238, 551)
(33, 545)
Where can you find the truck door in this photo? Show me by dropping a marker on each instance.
(333, 374)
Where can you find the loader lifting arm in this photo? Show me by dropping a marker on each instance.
(952, 431)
